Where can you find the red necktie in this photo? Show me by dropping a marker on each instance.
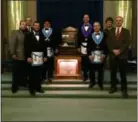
(117, 34)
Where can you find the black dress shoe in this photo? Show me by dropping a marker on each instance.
(49, 80)
(14, 91)
(32, 93)
(101, 88)
(43, 81)
(117, 81)
(84, 80)
(124, 94)
(40, 90)
(24, 85)
(91, 85)
(112, 90)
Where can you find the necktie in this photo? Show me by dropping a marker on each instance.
(117, 34)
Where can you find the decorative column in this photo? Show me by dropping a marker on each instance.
(16, 12)
(12, 12)
(124, 9)
(119, 8)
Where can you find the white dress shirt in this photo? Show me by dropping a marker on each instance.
(97, 36)
(36, 36)
(86, 28)
(47, 31)
(120, 28)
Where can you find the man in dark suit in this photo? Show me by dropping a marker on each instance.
(97, 51)
(118, 42)
(109, 26)
(51, 45)
(83, 34)
(29, 30)
(35, 53)
(29, 24)
(16, 47)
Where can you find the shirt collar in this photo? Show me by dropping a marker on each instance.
(97, 32)
(86, 24)
(46, 29)
(35, 32)
(119, 27)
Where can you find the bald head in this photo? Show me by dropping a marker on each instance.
(86, 18)
(96, 26)
(29, 21)
(119, 21)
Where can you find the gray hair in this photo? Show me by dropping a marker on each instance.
(96, 22)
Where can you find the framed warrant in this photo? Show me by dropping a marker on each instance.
(37, 58)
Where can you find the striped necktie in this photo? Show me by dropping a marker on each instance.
(117, 34)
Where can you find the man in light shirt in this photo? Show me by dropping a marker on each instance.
(118, 43)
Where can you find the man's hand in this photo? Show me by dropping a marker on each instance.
(45, 59)
(56, 51)
(79, 50)
(116, 52)
(91, 58)
(14, 57)
(102, 58)
(29, 60)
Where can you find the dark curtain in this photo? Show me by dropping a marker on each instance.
(65, 13)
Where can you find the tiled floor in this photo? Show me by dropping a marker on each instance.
(47, 109)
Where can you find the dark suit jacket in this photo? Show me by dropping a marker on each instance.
(106, 31)
(55, 40)
(93, 46)
(122, 43)
(31, 44)
(30, 30)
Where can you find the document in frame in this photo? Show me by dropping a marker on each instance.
(83, 48)
(37, 58)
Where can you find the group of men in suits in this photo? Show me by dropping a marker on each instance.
(112, 42)
(25, 45)
(92, 42)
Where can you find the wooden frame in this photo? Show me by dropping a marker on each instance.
(78, 67)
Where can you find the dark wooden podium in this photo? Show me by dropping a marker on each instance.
(68, 64)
